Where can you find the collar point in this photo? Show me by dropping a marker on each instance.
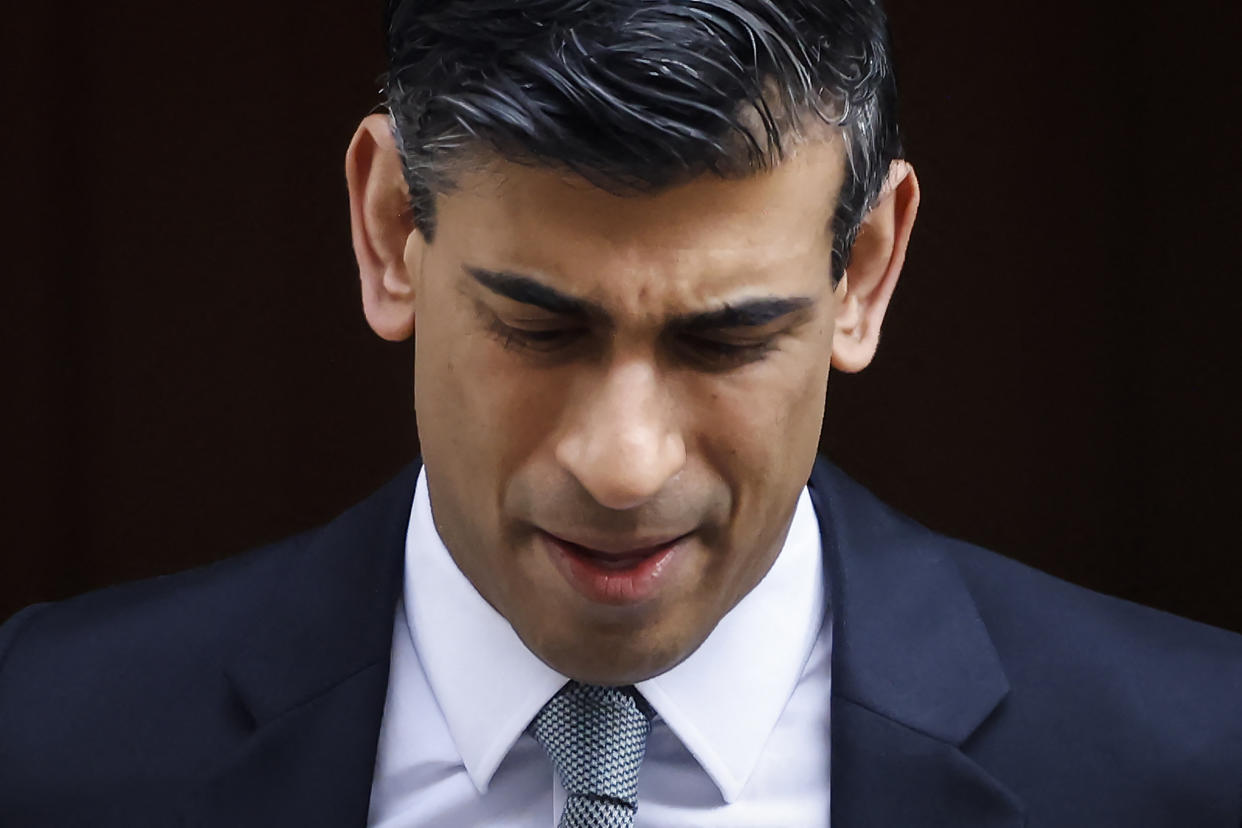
(482, 781)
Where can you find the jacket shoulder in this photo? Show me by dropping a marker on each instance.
(121, 670)
(131, 683)
(1032, 615)
(1109, 708)
(1027, 611)
(1111, 703)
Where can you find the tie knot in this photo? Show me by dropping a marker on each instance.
(596, 737)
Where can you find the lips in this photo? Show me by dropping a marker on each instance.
(617, 560)
(628, 576)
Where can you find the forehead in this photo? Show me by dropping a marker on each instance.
(706, 232)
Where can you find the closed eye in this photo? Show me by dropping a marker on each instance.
(546, 340)
(704, 351)
(726, 353)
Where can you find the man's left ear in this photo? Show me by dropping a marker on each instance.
(875, 263)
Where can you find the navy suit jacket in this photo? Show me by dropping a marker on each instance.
(967, 690)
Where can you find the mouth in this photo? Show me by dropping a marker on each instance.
(616, 578)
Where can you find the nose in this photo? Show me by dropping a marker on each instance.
(622, 443)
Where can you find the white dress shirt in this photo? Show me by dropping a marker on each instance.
(740, 736)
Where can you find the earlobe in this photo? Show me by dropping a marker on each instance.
(381, 229)
(875, 265)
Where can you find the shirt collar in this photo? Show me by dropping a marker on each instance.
(722, 702)
(488, 684)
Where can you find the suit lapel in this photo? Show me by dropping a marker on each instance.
(311, 683)
(884, 774)
(914, 672)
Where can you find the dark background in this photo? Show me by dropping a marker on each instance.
(190, 374)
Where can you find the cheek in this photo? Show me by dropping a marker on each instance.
(761, 414)
(760, 432)
(453, 392)
(493, 408)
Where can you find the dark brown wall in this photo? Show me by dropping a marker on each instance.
(190, 373)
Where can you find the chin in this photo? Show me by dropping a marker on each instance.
(610, 675)
(611, 662)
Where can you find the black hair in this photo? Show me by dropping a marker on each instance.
(639, 95)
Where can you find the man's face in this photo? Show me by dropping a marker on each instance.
(569, 385)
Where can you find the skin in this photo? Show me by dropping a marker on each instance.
(620, 426)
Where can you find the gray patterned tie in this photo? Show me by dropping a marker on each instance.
(596, 737)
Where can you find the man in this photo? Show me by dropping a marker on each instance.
(630, 239)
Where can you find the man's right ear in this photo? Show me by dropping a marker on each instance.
(386, 243)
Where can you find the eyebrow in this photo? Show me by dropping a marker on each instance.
(747, 313)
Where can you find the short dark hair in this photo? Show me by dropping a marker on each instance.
(638, 95)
